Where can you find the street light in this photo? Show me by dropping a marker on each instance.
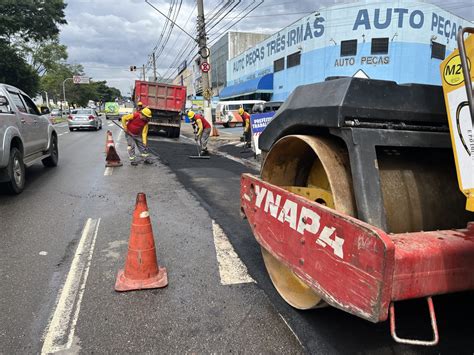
(64, 94)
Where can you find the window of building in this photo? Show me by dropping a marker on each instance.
(379, 46)
(278, 65)
(348, 48)
(438, 50)
(293, 60)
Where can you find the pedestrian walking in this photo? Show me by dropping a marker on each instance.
(246, 120)
(134, 125)
(203, 130)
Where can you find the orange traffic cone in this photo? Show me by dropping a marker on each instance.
(141, 267)
(214, 131)
(112, 158)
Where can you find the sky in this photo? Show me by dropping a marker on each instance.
(108, 36)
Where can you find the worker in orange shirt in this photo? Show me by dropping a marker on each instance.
(134, 125)
(203, 130)
(246, 120)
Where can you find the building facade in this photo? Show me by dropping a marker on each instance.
(403, 41)
(227, 47)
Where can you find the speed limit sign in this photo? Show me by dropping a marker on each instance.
(205, 67)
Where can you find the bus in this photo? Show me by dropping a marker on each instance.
(227, 111)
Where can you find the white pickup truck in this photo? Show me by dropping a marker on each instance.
(26, 137)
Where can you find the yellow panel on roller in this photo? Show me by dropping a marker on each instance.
(460, 120)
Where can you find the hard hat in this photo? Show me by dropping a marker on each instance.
(140, 103)
(241, 111)
(146, 112)
(191, 114)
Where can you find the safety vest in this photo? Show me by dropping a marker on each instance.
(136, 124)
(205, 124)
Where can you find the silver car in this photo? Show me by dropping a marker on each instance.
(26, 137)
(84, 118)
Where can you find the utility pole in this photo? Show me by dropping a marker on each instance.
(204, 53)
(154, 68)
(143, 70)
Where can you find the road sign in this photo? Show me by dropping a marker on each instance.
(205, 67)
(76, 79)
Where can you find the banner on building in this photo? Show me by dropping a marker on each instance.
(258, 122)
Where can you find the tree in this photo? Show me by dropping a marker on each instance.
(45, 55)
(31, 19)
(15, 71)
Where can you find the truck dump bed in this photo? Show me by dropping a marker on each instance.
(160, 96)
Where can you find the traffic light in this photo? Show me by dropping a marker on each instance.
(133, 67)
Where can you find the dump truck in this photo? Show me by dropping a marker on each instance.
(166, 103)
(357, 204)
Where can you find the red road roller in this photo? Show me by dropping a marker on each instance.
(357, 205)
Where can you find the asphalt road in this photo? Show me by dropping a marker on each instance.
(65, 237)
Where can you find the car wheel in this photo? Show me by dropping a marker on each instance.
(16, 172)
(232, 124)
(226, 125)
(53, 158)
(71, 129)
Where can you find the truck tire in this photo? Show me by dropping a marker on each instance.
(53, 158)
(177, 131)
(16, 172)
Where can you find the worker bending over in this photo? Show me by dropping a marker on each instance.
(246, 120)
(203, 130)
(135, 124)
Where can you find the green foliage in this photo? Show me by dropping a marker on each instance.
(31, 19)
(15, 71)
(44, 55)
(78, 94)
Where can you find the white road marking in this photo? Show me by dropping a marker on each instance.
(231, 269)
(61, 328)
(108, 171)
(43, 253)
(110, 125)
(245, 162)
(60, 134)
(119, 138)
(291, 329)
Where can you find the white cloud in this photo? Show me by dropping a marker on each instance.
(108, 36)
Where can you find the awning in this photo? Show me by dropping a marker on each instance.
(264, 84)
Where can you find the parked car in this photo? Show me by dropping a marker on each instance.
(84, 118)
(55, 112)
(26, 137)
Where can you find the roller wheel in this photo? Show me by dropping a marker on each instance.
(315, 168)
(290, 287)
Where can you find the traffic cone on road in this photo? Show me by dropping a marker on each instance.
(141, 267)
(214, 131)
(112, 158)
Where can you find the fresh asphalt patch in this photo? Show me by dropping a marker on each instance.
(216, 184)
